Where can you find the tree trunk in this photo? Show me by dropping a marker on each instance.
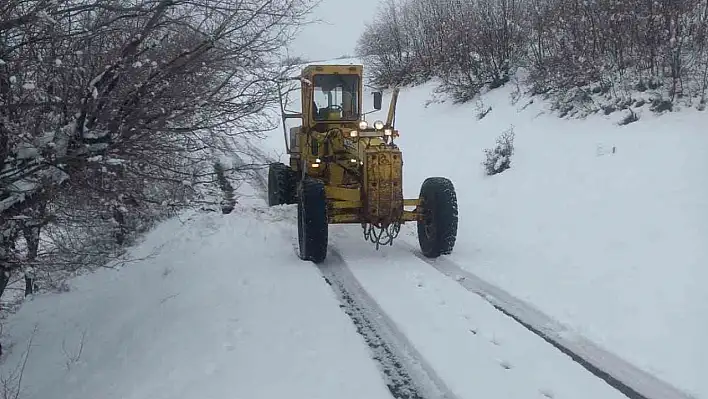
(8, 236)
(121, 229)
(29, 284)
(4, 278)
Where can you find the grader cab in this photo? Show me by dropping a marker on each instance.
(343, 169)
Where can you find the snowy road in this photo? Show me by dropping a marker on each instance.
(406, 373)
(227, 309)
(472, 346)
(508, 349)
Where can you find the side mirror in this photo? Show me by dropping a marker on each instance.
(378, 98)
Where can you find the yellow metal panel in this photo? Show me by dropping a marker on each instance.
(410, 216)
(342, 219)
(336, 174)
(383, 172)
(342, 194)
(346, 204)
(411, 202)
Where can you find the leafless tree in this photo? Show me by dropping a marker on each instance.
(112, 110)
(573, 48)
(467, 44)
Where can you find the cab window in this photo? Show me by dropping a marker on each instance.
(336, 97)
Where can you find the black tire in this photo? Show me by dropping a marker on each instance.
(312, 227)
(437, 227)
(281, 184)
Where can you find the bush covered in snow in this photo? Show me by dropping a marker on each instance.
(631, 117)
(111, 115)
(498, 159)
(583, 57)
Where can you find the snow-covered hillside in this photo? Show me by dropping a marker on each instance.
(601, 227)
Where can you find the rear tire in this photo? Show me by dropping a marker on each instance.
(312, 227)
(437, 226)
(281, 184)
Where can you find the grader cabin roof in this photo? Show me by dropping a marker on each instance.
(333, 69)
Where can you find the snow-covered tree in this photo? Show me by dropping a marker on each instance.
(571, 48)
(111, 110)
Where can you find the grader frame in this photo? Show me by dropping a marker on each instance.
(343, 170)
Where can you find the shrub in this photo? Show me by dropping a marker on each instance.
(629, 118)
(498, 159)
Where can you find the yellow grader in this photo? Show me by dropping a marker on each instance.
(345, 170)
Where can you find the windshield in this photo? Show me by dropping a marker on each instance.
(336, 97)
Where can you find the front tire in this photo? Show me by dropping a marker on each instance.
(281, 185)
(312, 227)
(437, 226)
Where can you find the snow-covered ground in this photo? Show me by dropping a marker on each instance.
(477, 350)
(221, 309)
(611, 244)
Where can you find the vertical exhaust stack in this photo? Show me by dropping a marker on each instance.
(392, 108)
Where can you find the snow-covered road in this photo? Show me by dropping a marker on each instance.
(476, 347)
(225, 307)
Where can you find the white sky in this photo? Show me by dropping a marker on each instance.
(342, 22)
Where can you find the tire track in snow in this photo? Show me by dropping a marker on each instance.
(615, 371)
(406, 373)
(394, 355)
(403, 366)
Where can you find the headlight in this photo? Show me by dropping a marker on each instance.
(353, 133)
(388, 132)
(363, 125)
(378, 125)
